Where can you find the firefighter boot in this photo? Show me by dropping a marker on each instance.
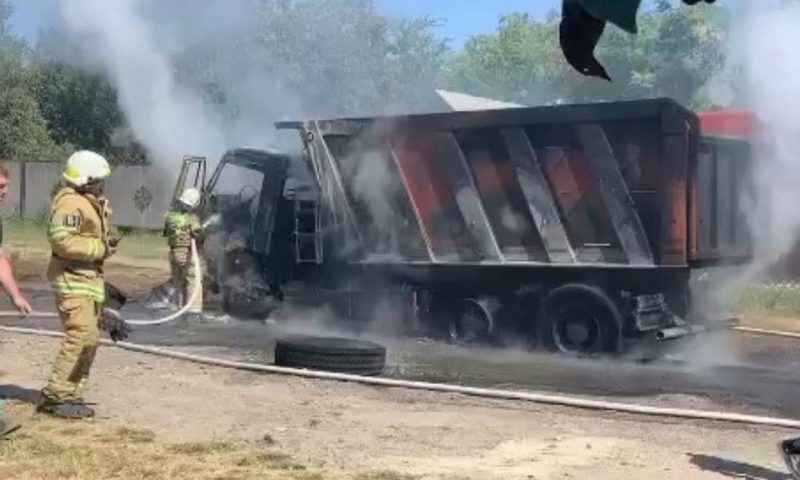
(69, 409)
(790, 452)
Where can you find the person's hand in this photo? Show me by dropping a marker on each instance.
(110, 250)
(114, 238)
(111, 244)
(22, 305)
(113, 323)
(198, 234)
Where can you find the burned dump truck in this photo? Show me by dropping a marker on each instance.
(576, 226)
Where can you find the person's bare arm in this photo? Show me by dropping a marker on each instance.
(9, 284)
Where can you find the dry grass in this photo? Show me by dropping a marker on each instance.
(384, 475)
(48, 449)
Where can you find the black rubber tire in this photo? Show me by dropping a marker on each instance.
(341, 355)
(577, 302)
(469, 325)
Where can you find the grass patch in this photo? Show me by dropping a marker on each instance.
(48, 449)
(139, 264)
(758, 300)
(31, 235)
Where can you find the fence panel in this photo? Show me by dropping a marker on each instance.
(140, 196)
(40, 178)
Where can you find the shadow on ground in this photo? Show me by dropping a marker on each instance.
(734, 469)
(22, 394)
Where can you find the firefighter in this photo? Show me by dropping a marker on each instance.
(80, 241)
(183, 224)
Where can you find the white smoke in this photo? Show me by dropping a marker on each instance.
(169, 119)
(764, 51)
(201, 77)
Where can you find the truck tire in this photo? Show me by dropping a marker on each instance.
(471, 323)
(244, 293)
(579, 320)
(340, 355)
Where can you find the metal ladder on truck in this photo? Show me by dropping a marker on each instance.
(307, 231)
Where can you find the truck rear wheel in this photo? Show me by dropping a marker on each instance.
(470, 323)
(578, 320)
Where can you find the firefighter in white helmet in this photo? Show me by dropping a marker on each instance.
(181, 226)
(80, 241)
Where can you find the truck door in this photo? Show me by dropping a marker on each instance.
(192, 174)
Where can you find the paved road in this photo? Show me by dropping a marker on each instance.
(730, 370)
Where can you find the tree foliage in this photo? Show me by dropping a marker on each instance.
(321, 58)
(24, 135)
(675, 53)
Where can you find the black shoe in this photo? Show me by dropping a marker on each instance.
(790, 452)
(69, 409)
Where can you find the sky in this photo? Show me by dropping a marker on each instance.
(460, 18)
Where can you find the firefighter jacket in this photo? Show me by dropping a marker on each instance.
(180, 227)
(78, 236)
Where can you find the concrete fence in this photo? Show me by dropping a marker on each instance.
(140, 196)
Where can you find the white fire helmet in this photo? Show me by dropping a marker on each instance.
(190, 197)
(84, 167)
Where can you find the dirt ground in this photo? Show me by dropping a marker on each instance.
(344, 430)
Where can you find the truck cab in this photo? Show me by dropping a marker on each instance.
(249, 203)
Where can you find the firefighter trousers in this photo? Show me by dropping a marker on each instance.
(80, 316)
(184, 276)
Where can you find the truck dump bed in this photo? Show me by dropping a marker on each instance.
(608, 184)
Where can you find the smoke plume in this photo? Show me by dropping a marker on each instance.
(201, 79)
(764, 51)
(169, 119)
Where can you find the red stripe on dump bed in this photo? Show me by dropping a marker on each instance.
(740, 123)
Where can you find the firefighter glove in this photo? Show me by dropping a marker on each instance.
(198, 234)
(112, 323)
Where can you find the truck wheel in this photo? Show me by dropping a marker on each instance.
(470, 323)
(341, 355)
(244, 293)
(578, 320)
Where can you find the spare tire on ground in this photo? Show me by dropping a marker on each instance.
(342, 355)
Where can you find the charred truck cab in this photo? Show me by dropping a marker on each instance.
(574, 225)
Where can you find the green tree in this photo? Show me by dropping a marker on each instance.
(520, 62)
(675, 53)
(320, 58)
(79, 104)
(23, 130)
(80, 107)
